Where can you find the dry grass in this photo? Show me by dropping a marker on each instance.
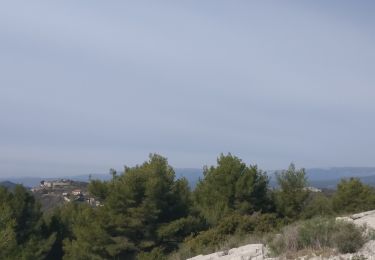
(316, 237)
(319, 236)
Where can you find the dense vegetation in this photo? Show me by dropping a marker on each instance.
(147, 213)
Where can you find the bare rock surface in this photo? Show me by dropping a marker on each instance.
(364, 218)
(251, 251)
(368, 219)
(258, 252)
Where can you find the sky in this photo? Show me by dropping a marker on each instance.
(90, 85)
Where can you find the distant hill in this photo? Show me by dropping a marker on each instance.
(35, 181)
(331, 184)
(318, 177)
(328, 178)
(320, 174)
(7, 184)
(25, 181)
(191, 174)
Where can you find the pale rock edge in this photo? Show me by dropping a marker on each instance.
(259, 251)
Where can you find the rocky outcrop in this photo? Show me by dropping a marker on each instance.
(259, 252)
(251, 251)
(365, 218)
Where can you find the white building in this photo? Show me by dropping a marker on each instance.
(76, 192)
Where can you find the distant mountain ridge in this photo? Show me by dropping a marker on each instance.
(7, 184)
(330, 177)
(35, 181)
(339, 172)
(318, 177)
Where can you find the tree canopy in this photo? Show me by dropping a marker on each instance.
(352, 195)
(292, 194)
(144, 207)
(23, 233)
(229, 187)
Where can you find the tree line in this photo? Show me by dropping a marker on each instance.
(147, 213)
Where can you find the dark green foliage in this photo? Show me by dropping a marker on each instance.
(23, 233)
(143, 208)
(91, 239)
(176, 231)
(316, 233)
(231, 187)
(62, 221)
(113, 173)
(99, 189)
(232, 225)
(259, 223)
(318, 205)
(293, 193)
(156, 254)
(353, 196)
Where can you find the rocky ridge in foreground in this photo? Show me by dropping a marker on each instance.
(260, 252)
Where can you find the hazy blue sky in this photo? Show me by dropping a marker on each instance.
(89, 85)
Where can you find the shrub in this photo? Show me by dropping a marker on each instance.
(319, 234)
(230, 232)
(353, 196)
(258, 223)
(348, 238)
(318, 205)
(155, 254)
(359, 257)
(231, 187)
(292, 194)
(316, 233)
(177, 230)
(285, 242)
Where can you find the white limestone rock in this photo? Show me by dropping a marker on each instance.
(248, 252)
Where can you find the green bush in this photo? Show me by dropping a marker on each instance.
(285, 242)
(291, 195)
(172, 234)
(156, 254)
(318, 234)
(229, 233)
(348, 238)
(231, 187)
(257, 223)
(318, 205)
(353, 196)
